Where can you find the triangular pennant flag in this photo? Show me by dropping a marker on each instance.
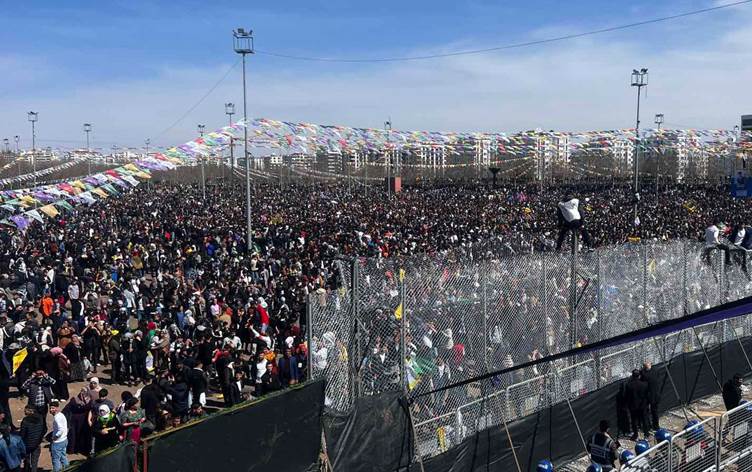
(35, 214)
(49, 210)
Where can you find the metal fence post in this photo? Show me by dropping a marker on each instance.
(309, 334)
(573, 291)
(685, 264)
(354, 305)
(403, 325)
(484, 301)
(599, 317)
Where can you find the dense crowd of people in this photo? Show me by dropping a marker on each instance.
(157, 287)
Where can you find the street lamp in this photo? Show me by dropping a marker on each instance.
(201, 129)
(147, 142)
(639, 80)
(229, 111)
(87, 130)
(6, 145)
(34, 117)
(242, 42)
(17, 139)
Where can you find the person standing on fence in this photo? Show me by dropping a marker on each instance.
(712, 241)
(654, 393)
(602, 448)
(570, 219)
(637, 400)
(732, 392)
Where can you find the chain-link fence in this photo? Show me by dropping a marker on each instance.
(420, 323)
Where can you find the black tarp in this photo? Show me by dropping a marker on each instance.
(118, 459)
(551, 433)
(276, 433)
(375, 435)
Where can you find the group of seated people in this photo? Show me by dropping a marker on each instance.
(733, 240)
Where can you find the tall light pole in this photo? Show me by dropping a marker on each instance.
(6, 145)
(388, 129)
(17, 139)
(229, 111)
(87, 130)
(34, 117)
(243, 45)
(201, 129)
(658, 123)
(147, 142)
(639, 80)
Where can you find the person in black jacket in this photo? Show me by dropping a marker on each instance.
(151, 397)
(33, 429)
(179, 397)
(654, 393)
(235, 389)
(637, 398)
(732, 392)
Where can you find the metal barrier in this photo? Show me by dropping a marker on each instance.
(575, 380)
(655, 459)
(418, 323)
(697, 448)
(736, 439)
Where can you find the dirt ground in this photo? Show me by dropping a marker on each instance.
(17, 408)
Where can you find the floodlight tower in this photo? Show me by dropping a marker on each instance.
(639, 80)
(201, 129)
(243, 45)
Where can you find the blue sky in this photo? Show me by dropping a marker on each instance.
(133, 68)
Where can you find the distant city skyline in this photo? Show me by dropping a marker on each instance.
(133, 68)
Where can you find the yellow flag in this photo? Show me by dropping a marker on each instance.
(398, 312)
(132, 168)
(79, 184)
(402, 275)
(18, 359)
(100, 192)
(49, 210)
(143, 175)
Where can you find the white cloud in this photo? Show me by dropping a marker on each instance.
(573, 85)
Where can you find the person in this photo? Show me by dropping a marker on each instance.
(637, 397)
(151, 397)
(570, 219)
(131, 420)
(59, 442)
(602, 448)
(544, 466)
(712, 241)
(197, 412)
(236, 389)
(12, 449)
(732, 392)
(38, 389)
(79, 429)
(33, 429)
(654, 393)
(625, 457)
(105, 429)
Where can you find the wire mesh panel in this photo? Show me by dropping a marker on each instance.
(575, 380)
(664, 281)
(679, 342)
(435, 435)
(703, 277)
(618, 365)
(331, 337)
(556, 293)
(527, 397)
(379, 325)
(588, 329)
(708, 335)
(622, 304)
(696, 448)
(481, 413)
(655, 459)
(738, 283)
(736, 439)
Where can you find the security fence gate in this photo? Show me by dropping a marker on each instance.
(417, 324)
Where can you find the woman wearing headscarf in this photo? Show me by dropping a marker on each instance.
(105, 429)
(131, 420)
(75, 354)
(60, 371)
(79, 431)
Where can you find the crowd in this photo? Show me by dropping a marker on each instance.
(157, 287)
